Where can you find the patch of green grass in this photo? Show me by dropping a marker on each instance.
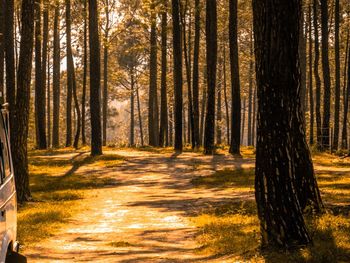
(120, 244)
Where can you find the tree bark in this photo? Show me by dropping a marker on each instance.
(235, 83)
(95, 78)
(311, 96)
(139, 113)
(219, 105)
(132, 111)
(21, 114)
(105, 76)
(177, 74)
(2, 47)
(83, 99)
(56, 79)
(211, 49)
(45, 68)
(250, 92)
(276, 40)
(163, 133)
(326, 76)
(346, 95)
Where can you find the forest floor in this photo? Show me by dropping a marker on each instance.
(153, 205)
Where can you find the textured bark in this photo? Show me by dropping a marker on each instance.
(311, 96)
(85, 65)
(326, 76)
(45, 68)
(152, 98)
(177, 74)
(225, 98)
(2, 46)
(95, 78)
(105, 77)
(40, 98)
(276, 29)
(317, 77)
(335, 143)
(302, 57)
(235, 83)
(250, 92)
(70, 68)
(211, 52)
(195, 76)
(56, 79)
(163, 132)
(21, 114)
(346, 95)
(219, 105)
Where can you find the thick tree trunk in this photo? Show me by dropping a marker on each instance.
(335, 143)
(250, 91)
(2, 46)
(163, 133)
(235, 83)
(311, 96)
(326, 76)
(317, 77)
(276, 40)
(346, 95)
(195, 76)
(21, 114)
(85, 65)
(211, 40)
(95, 78)
(302, 56)
(56, 79)
(177, 74)
(40, 98)
(152, 99)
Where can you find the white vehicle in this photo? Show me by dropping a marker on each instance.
(8, 199)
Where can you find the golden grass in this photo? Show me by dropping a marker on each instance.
(57, 186)
(233, 229)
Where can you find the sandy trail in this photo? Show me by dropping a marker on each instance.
(145, 217)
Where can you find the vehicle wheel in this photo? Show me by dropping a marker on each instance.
(15, 257)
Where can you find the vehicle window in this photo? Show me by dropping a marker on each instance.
(4, 154)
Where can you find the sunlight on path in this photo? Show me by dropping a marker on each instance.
(145, 218)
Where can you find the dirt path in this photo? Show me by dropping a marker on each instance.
(145, 218)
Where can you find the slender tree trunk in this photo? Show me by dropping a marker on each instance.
(2, 46)
(56, 79)
(83, 99)
(45, 63)
(40, 98)
(276, 39)
(211, 40)
(346, 95)
(70, 68)
(203, 110)
(139, 113)
(317, 77)
(177, 74)
(335, 143)
(132, 111)
(235, 84)
(171, 128)
(95, 78)
(311, 96)
(250, 91)
(326, 76)
(48, 102)
(254, 116)
(21, 114)
(195, 77)
(152, 99)
(77, 112)
(105, 77)
(10, 56)
(219, 105)
(163, 133)
(226, 99)
(243, 119)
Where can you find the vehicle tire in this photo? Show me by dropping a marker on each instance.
(15, 257)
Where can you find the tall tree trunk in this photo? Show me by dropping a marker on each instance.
(139, 113)
(346, 95)
(56, 79)
(243, 119)
(163, 133)
(177, 74)
(235, 84)
(219, 105)
(70, 68)
(83, 99)
(250, 91)
(311, 96)
(226, 99)
(40, 98)
(195, 76)
(21, 114)
(152, 99)
(45, 69)
(317, 77)
(335, 143)
(48, 101)
(10, 56)
(302, 55)
(276, 39)
(2, 46)
(254, 116)
(95, 78)
(105, 77)
(326, 76)
(77, 112)
(132, 111)
(211, 40)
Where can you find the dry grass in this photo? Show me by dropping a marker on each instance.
(234, 229)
